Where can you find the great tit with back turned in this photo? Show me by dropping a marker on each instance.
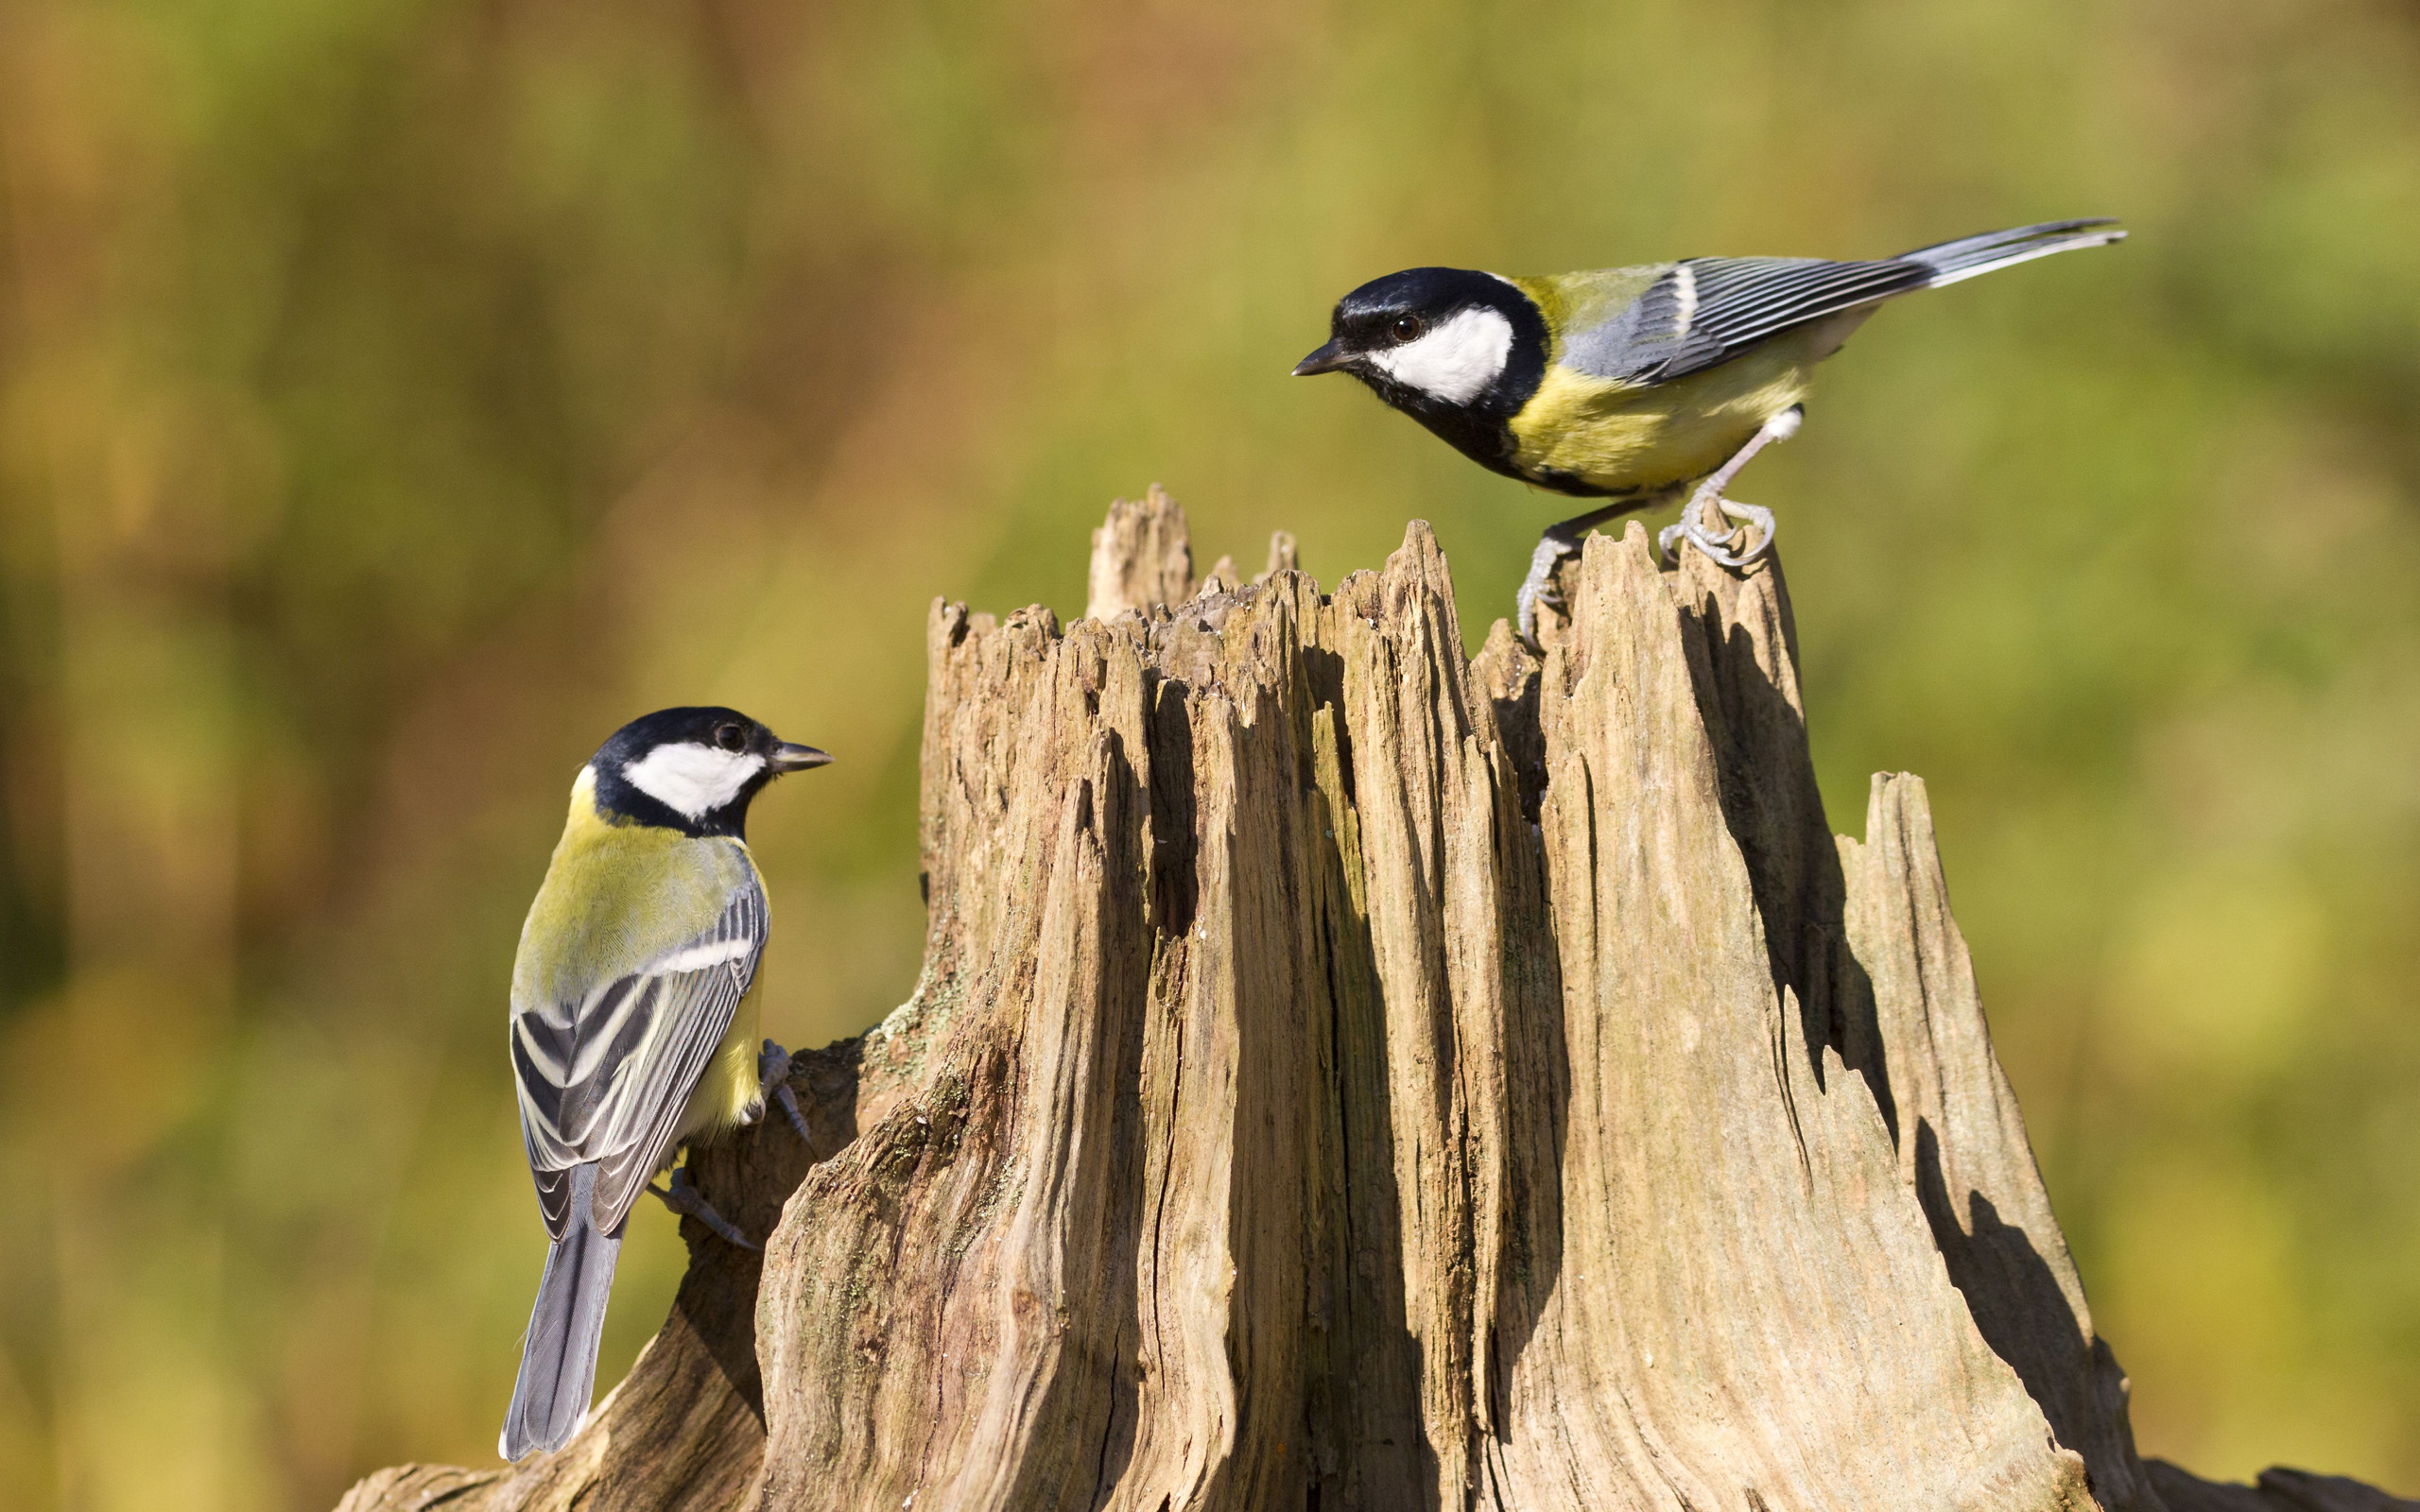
(633, 1022)
(1633, 384)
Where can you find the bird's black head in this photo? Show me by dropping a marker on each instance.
(1458, 350)
(691, 770)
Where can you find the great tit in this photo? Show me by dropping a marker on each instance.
(1632, 383)
(633, 1026)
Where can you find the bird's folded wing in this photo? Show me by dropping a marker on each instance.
(607, 1078)
(1709, 309)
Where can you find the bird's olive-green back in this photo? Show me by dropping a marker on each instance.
(619, 895)
(1573, 302)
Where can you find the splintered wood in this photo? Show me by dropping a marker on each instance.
(1351, 1075)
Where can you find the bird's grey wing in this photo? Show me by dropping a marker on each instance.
(606, 1079)
(1708, 309)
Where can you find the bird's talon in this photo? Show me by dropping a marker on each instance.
(1526, 611)
(789, 1106)
(683, 1197)
(773, 1067)
(773, 1071)
(1664, 543)
(1716, 548)
(1539, 587)
(1759, 524)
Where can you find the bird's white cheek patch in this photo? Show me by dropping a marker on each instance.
(1457, 361)
(692, 779)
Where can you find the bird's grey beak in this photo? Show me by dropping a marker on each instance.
(789, 758)
(1327, 359)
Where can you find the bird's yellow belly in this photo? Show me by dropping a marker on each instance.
(1646, 440)
(729, 1093)
(1624, 439)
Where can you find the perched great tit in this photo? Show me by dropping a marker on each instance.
(1632, 383)
(633, 1026)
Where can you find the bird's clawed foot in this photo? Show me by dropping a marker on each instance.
(683, 1197)
(1538, 588)
(773, 1075)
(1559, 541)
(1758, 520)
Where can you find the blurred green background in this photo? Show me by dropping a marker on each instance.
(396, 395)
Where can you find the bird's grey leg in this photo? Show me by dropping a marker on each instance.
(773, 1071)
(683, 1197)
(1759, 521)
(1560, 540)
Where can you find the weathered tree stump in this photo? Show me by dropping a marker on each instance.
(1350, 1075)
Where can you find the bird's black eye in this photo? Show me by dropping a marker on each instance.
(1405, 327)
(731, 737)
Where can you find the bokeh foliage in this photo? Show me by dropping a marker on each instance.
(395, 395)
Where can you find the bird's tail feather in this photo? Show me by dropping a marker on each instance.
(1970, 255)
(558, 1354)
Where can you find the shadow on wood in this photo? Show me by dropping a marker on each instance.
(1351, 1075)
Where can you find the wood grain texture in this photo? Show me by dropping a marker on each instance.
(1348, 1074)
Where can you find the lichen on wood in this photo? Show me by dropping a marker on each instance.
(1350, 1074)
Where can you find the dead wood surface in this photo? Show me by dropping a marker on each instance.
(1347, 1073)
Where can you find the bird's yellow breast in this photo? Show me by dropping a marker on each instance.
(1628, 439)
(729, 1093)
(1652, 438)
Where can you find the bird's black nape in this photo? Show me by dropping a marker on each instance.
(1401, 308)
(734, 757)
